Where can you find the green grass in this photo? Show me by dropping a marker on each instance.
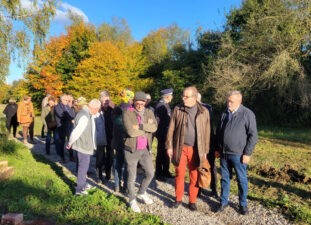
(41, 189)
(289, 134)
(292, 198)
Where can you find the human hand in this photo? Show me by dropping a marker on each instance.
(169, 152)
(150, 121)
(68, 146)
(246, 159)
(135, 127)
(217, 154)
(111, 104)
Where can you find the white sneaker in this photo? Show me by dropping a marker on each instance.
(147, 200)
(134, 206)
(83, 192)
(89, 187)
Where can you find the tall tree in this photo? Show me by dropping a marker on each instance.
(111, 66)
(19, 25)
(264, 48)
(117, 31)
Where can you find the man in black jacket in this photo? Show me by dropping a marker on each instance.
(104, 154)
(163, 116)
(11, 116)
(236, 140)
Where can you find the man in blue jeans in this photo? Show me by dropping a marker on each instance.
(236, 140)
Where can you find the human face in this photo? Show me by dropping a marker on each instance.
(105, 100)
(139, 105)
(51, 103)
(94, 110)
(233, 102)
(169, 98)
(188, 98)
(148, 101)
(64, 100)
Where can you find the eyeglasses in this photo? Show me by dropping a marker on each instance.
(187, 97)
(139, 105)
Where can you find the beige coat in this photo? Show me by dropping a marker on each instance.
(25, 114)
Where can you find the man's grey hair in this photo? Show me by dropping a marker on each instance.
(199, 97)
(193, 89)
(148, 96)
(95, 103)
(104, 93)
(63, 96)
(235, 92)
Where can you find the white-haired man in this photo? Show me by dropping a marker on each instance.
(236, 140)
(82, 140)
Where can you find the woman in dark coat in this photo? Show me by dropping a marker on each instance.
(11, 116)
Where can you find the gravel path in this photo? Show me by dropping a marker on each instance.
(163, 195)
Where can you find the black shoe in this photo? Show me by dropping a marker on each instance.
(47, 153)
(243, 210)
(221, 208)
(193, 207)
(160, 178)
(32, 142)
(169, 176)
(176, 204)
(214, 194)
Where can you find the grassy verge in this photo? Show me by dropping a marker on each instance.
(41, 189)
(274, 178)
(289, 134)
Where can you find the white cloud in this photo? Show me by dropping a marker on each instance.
(62, 14)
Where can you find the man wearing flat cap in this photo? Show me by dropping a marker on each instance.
(163, 116)
(139, 124)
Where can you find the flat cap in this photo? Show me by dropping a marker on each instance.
(140, 96)
(167, 92)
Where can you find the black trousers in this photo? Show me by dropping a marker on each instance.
(104, 157)
(162, 160)
(63, 135)
(211, 160)
(11, 124)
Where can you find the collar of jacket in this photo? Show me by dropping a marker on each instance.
(200, 108)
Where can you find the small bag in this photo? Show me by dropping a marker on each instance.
(52, 124)
(205, 175)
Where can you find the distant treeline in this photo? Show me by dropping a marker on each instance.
(263, 50)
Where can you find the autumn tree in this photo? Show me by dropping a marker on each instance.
(111, 66)
(19, 25)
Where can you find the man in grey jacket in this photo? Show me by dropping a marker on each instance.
(139, 124)
(236, 140)
(82, 140)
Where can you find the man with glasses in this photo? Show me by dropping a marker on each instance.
(187, 143)
(139, 124)
(236, 140)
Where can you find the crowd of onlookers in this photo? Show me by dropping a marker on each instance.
(121, 138)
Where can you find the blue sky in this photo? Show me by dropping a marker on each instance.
(142, 16)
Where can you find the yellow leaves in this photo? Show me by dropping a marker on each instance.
(111, 66)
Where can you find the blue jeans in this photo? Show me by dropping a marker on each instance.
(48, 140)
(227, 162)
(118, 171)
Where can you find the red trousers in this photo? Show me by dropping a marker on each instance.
(190, 157)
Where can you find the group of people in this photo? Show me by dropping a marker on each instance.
(185, 137)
